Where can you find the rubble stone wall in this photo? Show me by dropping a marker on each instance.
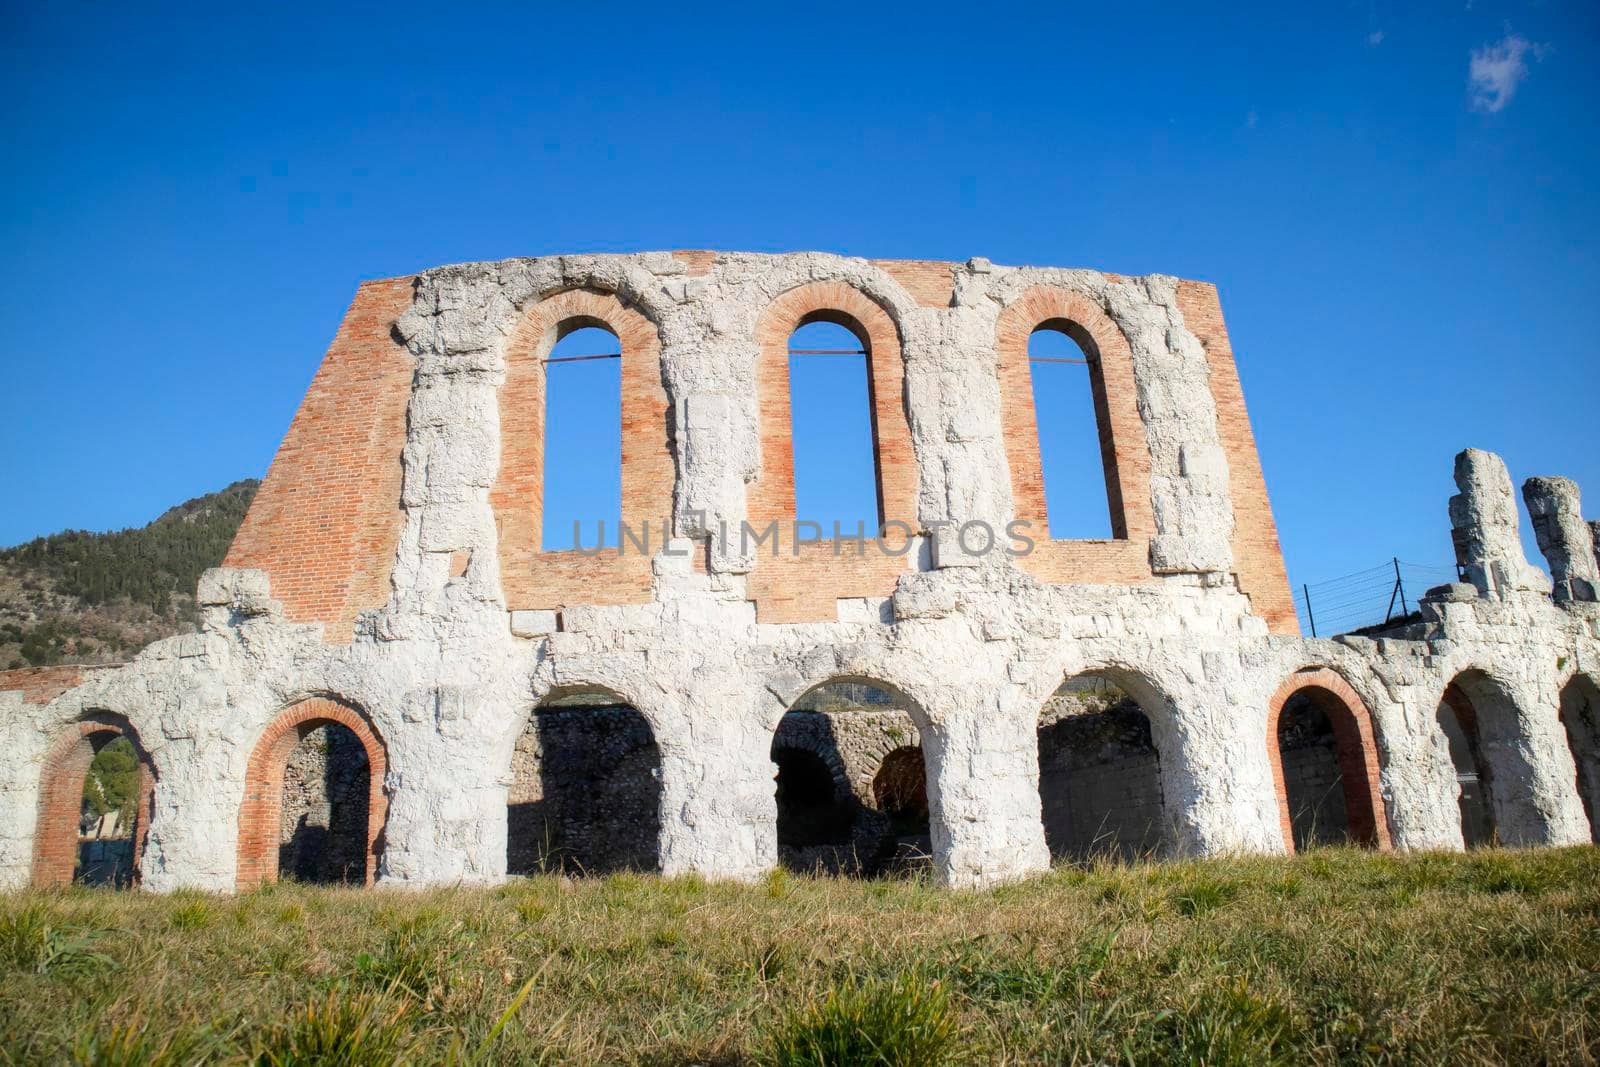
(372, 585)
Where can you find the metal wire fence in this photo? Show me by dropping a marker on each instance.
(1365, 598)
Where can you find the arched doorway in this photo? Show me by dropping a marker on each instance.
(1325, 763)
(314, 805)
(585, 794)
(1099, 772)
(1459, 724)
(95, 795)
(1580, 716)
(852, 788)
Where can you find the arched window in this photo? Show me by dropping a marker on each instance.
(1072, 440)
(586, 789)
(1313, 786)
(831, 419)
(582, 439)
(1325, 763)
(1099, 773)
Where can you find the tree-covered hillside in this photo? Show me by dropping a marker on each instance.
(81, 597)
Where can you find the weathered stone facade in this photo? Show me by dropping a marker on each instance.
(389, 579)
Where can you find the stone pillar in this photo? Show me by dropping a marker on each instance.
(719, 812)
(447, 802)
(1419, 779)
(1534, 781)
(1564, 538)
(24, 748)
(1217, 782)
(194, 822)
(983, 799)
(1483, 520)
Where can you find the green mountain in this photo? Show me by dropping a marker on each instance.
(81, 597)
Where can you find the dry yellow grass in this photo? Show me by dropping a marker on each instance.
(1334, 956)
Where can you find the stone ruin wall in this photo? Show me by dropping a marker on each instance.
(389, 578)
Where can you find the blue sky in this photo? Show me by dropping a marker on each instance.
(1408, 264)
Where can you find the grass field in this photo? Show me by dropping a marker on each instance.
(1333, 956)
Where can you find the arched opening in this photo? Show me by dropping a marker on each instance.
(900, 791)
(94, 806)
(1076, 455)
(1580, 716)
(832, 426)
(582, 503)
(322, 826)
(1460, 726)
(314, 805)
(1099, 772)
(585, 794)
(851, 783)
(1496, 747)
(1313, 788)
(815, 809)
(1325, 763)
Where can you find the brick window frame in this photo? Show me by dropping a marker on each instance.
(55, 841)
(1355, 747)
(1125, 556)
(531, 577)
(261, 811)
(806, 587)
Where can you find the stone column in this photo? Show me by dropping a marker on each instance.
(983, 798)
(1483, 520)
(1564, 538)
(1216, 772)
(447, 804)
(719, 813)
(194, 822)
(1534, 785)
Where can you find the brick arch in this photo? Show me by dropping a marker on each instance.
(261, 810)
(1123, 450)
(902, 775)
(531, 577)
(1355, 747)
(827, 754)
(55, 842)
(805, 587)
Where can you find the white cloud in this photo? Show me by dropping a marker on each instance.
(1375, 38)
(1496, 70)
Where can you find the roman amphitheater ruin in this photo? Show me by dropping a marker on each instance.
(394, 680)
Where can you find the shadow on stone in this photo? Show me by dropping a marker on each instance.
(586, 792)
(1099, 774)
(326, 791)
